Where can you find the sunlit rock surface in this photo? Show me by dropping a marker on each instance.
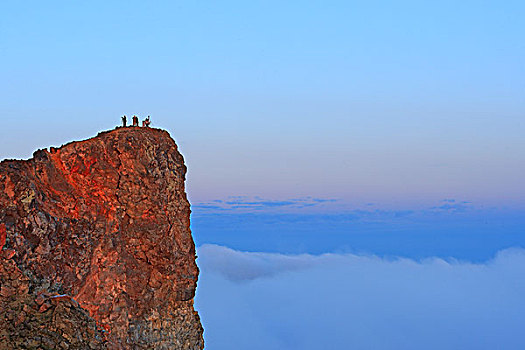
(95, 237)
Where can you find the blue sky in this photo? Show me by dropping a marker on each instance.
(359, 128)
(373, 101)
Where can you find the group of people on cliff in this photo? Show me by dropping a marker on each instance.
(145, 123)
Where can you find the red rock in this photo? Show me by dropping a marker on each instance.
(20, 318)
(3, 235)
(8, 253)
(106, 221)
(39, 299)
(5, 291)
(44, 307)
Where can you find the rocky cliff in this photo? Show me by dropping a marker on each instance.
(96, 248)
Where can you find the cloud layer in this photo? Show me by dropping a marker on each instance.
(250, 204)
(343, 301)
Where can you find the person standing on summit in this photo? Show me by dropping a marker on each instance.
(124, 121)
(135, 120)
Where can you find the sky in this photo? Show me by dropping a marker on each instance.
(370, 130)
(377, 100)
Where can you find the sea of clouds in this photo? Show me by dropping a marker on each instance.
(342, 301)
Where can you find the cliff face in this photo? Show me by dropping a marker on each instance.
(103, 223)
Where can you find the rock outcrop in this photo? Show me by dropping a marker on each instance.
(96, 248)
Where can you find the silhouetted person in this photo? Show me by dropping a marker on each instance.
(135, 121)
(124, 121)
(146, 122)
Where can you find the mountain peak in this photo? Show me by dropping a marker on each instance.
(105, 222)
